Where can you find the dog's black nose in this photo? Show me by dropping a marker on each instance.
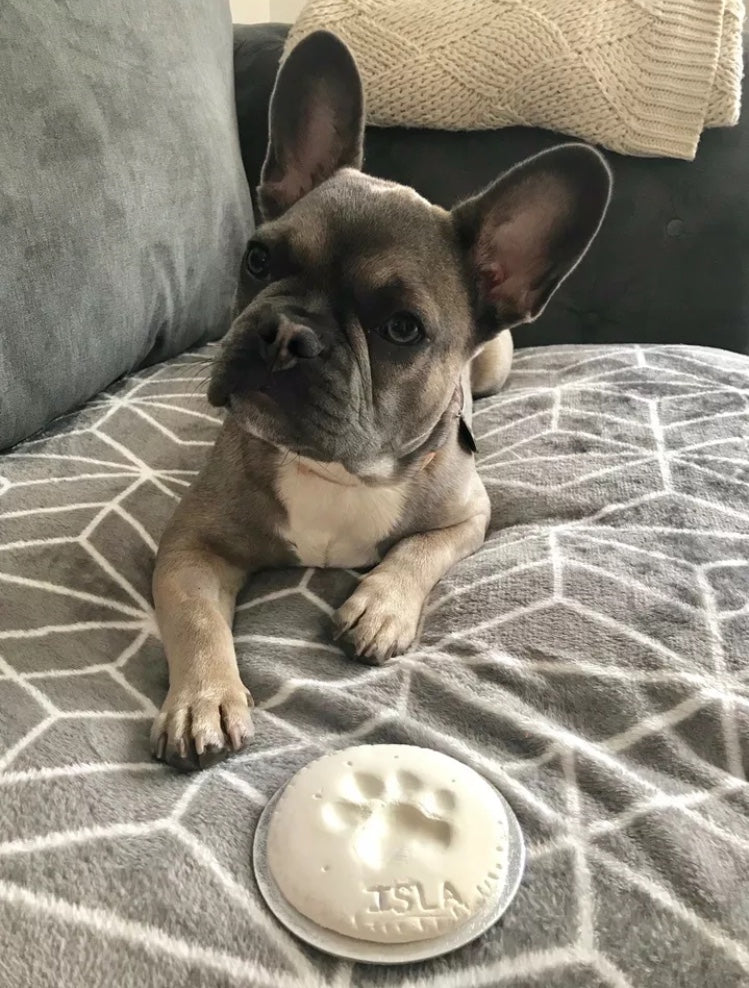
(281, 345)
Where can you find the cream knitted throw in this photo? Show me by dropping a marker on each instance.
(637, 76)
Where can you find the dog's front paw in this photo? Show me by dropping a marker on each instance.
(197, 727)
(378, 620)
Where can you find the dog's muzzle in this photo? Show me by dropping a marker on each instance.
(250, 361)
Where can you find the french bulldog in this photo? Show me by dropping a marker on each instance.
(365, 318)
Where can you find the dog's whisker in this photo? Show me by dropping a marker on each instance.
(199, 372)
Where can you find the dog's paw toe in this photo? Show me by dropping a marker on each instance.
(376, 623)
(196, 729)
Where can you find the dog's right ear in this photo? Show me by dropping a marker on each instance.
(316, 121)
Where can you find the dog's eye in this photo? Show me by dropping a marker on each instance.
(403, 328)
(258, 261)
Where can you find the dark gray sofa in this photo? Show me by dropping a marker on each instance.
(592, 660)
(671, 264)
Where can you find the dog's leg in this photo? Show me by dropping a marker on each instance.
(207, 708)
(383, 615)
(490, 367)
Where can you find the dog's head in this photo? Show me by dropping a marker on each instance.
(359, 302)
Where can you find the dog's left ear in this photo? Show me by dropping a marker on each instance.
(316, 121)
(528, 231)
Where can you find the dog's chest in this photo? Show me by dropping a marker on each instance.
(338, 521)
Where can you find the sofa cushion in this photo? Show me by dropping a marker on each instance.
(123, 202)
(670, 264)
(590, 660)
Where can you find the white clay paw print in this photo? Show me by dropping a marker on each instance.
(385, 818)
(401, 843)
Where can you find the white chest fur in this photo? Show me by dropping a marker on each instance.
(333, 518)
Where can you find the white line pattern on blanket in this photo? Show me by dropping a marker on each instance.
(592, 660)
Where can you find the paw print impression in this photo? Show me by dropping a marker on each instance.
(387, 819)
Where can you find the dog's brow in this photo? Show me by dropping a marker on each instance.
(291, 249)
(387, 295)
(307, 246)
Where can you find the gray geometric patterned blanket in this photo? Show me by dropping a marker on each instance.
(592, 661)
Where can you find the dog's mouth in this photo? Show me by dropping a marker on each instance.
(219, 393)
(259, 415)
(227, 390)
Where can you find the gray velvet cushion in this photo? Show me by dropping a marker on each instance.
(590, 660)
(123, 202)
